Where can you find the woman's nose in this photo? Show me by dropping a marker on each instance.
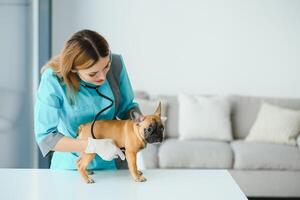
(101, 76)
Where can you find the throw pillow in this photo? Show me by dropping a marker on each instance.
(202, 117)
(275, 125)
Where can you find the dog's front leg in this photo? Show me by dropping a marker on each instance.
(131, 159)
(82, 163)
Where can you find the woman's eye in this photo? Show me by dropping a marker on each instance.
(92, 75)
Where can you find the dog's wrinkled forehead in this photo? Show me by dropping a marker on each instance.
(153, 125)
(153, 121)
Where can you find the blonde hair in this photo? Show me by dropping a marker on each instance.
(81, 51)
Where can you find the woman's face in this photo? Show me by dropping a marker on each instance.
(97, 73)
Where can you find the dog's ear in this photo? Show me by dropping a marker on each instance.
(136, 117)
(163, 119)
(158, 110)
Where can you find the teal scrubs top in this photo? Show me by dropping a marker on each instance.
(54, 117)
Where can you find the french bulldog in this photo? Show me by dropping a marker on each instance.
(133, 135)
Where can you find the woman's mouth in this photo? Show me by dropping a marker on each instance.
(99, 81)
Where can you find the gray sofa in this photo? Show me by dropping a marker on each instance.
(260, 169)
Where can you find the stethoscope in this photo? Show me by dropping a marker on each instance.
(102, 110)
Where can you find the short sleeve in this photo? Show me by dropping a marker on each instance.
(127, 103)
(46, 113)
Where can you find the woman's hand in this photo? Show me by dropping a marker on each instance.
(105, 148)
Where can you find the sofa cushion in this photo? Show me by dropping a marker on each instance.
(275, 124)
(250, 155)
(175, 153)
(245, 109)
(172, 129)
(203, 117)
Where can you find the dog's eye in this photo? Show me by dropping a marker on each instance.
(149, 129)
(161, 128)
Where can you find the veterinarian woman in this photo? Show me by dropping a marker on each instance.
(67, 97)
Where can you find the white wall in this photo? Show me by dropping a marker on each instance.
(16, 131)
(214, 46)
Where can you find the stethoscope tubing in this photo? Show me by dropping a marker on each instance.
(101, 111)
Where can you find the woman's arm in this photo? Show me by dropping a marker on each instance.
(105, 148)
(67, 144)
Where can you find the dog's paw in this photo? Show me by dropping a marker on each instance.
(141, 179)
(139, 172)
(89, 181)
(89, 172)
